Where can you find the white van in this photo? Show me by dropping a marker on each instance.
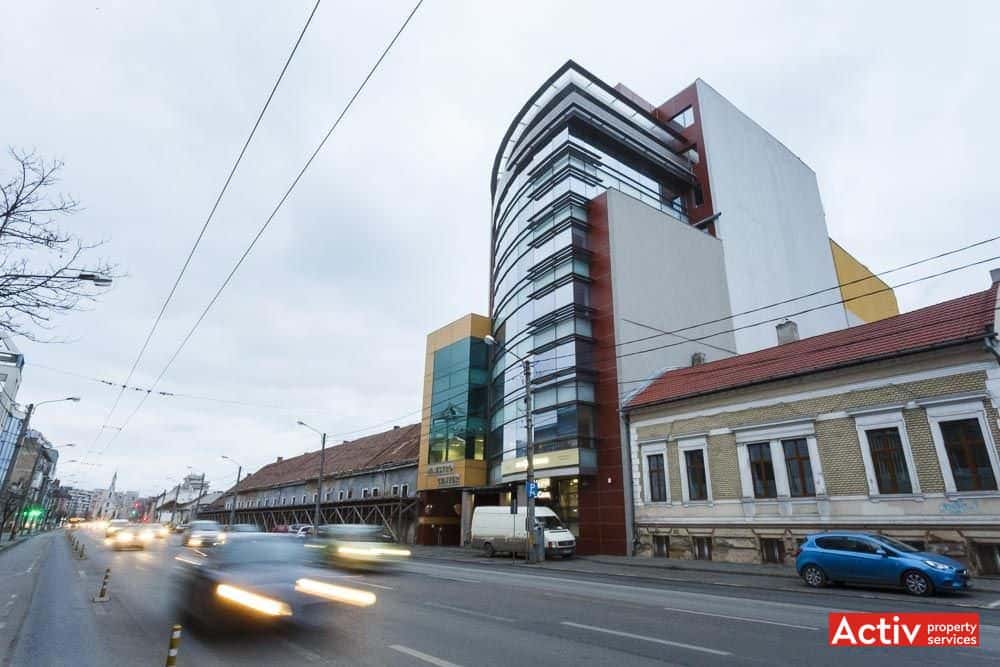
(496, 529)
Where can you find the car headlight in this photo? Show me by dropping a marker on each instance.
(146, 535)
(938, 566)
(123, 536)
(194, 542)
(259, 603)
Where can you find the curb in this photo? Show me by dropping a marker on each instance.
(867, 595)
(711, 570)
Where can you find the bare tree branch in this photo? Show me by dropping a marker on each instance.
(40, 263)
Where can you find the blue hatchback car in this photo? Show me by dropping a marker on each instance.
(863, 558)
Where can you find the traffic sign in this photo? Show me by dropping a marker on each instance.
(532, 489)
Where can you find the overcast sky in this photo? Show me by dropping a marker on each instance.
(387, 237)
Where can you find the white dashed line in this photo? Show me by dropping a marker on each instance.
(470, 612)
(368, 583)
(422, 656)
(993, 605)
(742, 618)
(654, 640)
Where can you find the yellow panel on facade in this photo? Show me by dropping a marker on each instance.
(856, 280)
(452, 474)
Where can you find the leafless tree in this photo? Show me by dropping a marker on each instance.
(41, 272)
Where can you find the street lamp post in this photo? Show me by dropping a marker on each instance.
(239, 472)
(319, 478)
(536, 542)
(17, 448)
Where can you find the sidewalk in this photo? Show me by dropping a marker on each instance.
(762, 575)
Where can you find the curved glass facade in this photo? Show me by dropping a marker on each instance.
(573, 141)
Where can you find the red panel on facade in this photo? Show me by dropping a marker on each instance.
(602, 504)
(666, 111)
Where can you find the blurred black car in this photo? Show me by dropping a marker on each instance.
(259, 578)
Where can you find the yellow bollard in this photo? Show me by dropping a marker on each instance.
(103, 595)
(175, 642)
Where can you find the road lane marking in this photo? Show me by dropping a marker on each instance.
(83, 575)
(655, 640)
(459, 579)
(993, 605)
(368, 583)
(413, 653)
(742, 618)
(469, 612)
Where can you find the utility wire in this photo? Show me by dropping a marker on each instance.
(267, 221)
(208, 220)
(757, 309)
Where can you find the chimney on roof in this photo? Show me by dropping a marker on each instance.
(697, 359)
(995, 275)
(280, 459)
(395, 428)
(788, 332)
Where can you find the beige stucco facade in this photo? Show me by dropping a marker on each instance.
(833, 412)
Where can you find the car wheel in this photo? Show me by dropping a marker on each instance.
(489, 550)
(814, 576)
(917, 583)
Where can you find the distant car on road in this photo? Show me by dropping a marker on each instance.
(179, 527)
(114, 526)
(259, 577)
(864, 558)
(158, 529)
(241, 528)
(304, 531)
(202, 534)
(130, 536)
(358, 546)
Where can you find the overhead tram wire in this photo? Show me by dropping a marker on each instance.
(776, 318)
(208, 220)
(783, 302)
(267, 222)
(452, 395)
(675, 332)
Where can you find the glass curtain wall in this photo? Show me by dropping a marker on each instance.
(458, 402)
(541, 281)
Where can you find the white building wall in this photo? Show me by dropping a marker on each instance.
(773, 227)
(668, 275)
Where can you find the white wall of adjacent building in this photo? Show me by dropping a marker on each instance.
(667, 275)
(773, 227)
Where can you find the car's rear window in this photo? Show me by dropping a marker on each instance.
(831, 543)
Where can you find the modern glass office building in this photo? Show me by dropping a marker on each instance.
(616, 225)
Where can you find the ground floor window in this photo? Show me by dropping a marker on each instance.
(661, 546)
(701, 548)
(988, 556)
(967, 454)
(772, 550)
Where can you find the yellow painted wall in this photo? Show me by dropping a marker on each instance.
(855, 279)
(455, 474)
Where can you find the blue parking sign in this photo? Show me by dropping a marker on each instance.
(532, 489)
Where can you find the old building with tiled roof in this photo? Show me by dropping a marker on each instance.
(371, 479)
(889, 427)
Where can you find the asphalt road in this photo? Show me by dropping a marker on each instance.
(437, 613)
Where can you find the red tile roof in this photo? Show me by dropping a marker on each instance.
(951, 322)
(396, 447)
